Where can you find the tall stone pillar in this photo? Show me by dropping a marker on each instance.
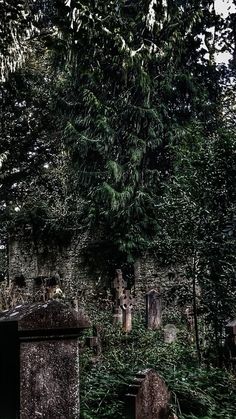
(153, 310)
(39, 361)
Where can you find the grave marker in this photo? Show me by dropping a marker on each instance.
(189, 318)
(153, 310)
(39, 361)
(126, 304)
(148, 397)
(230, 345)
(170, 333)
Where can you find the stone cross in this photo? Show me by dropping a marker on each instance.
(126, 304)
(153, 310)
(170, 333)
(148, 397)
(39, 361)
(119, 285)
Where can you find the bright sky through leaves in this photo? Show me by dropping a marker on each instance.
(224, 7)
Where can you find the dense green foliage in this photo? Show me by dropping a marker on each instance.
(115, 118)
(143, 81)
(137, 93)
(20, 23)
(196, 392)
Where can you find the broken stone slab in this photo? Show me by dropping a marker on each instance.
(39, 361)
(148, 397)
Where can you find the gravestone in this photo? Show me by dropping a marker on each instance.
(126, 304)
(153, 310)
(231, 328)
(189, 318)
(170, 333)
(148, 397)
(119, 285)
(230, 345)
(39, 361)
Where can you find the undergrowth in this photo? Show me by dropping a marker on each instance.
(197, 392)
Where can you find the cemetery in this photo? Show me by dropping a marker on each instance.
(117, 209)
(59, 362)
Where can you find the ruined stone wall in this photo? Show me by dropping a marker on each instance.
(34, 259)
(170, 280)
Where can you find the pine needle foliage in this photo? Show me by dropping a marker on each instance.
(138, 72)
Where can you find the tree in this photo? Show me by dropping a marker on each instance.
(138, 73)
(195, 212)
(21, 22)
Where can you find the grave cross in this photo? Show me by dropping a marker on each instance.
(119, 284)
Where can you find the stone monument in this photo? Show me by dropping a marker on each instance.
(39, 361)
(148, 397)
(170, 333)
(153, 310)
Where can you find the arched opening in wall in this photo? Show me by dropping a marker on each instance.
(19, 281)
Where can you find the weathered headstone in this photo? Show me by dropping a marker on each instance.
(153, 310)
(230, 345)
(189, 318)
(170, 333)
(231, 328)
(119, 286)
(39, 361)
(126, 304)
(148, 397)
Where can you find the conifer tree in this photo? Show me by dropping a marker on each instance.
(139, 74)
